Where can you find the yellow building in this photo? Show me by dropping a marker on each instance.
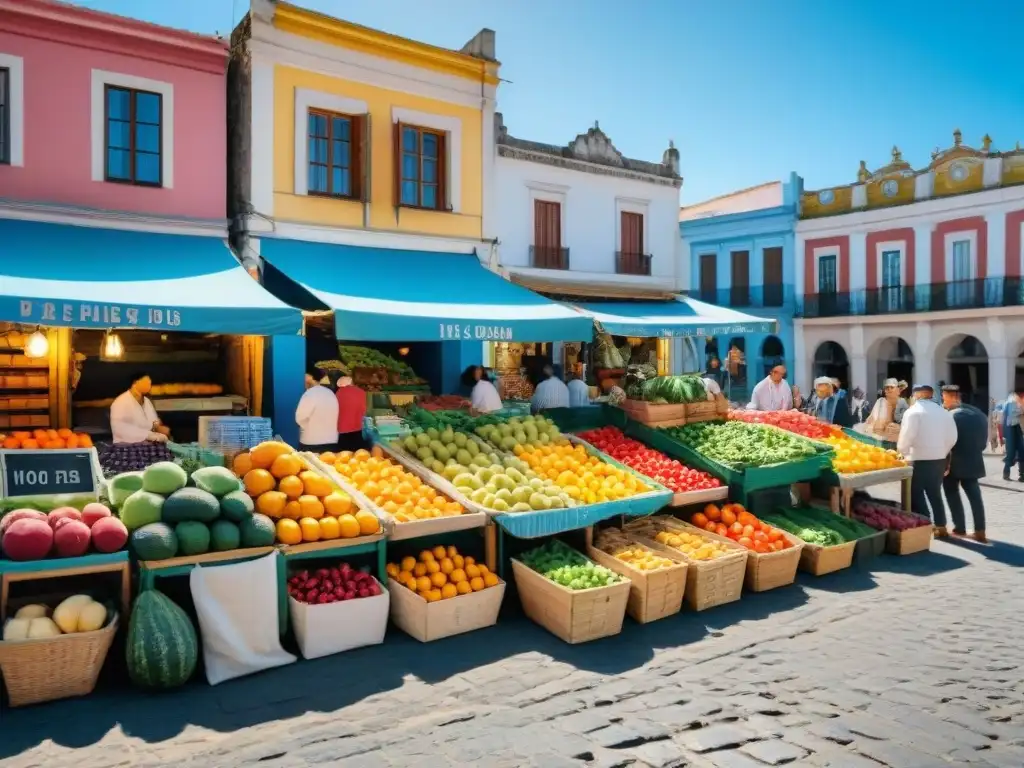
(349, 135)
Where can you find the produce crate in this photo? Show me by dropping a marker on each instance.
(706, 410)
(653, 595)
(818, 561)
(587, 417)
(910, 541)
(769, 570)
(646, 413)
(709, 583)
(867, 479)
(444, 618)
(195, 451)
(688, 498)
(721, 405)
(35, 671)
(321, 630)
(869, 547)
(575, 616)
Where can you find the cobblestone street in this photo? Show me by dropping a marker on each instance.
(908, 662)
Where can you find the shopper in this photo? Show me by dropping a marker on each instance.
(579, 392)
(830, 405)
(351, 412)
(133, 419)
(927, 434)
(858, 406)
(889, 408)
(798, 399)
(1012, 435)
(483, 395)
(317, 416)
(995, 432)
(772, 393)
(550, 393)
(966, 463)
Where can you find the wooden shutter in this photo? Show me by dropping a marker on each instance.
(364, 157)
(396, 159)
(547, 221)
(773, 266)
(741, 268)
(632, 225)
(708, 275)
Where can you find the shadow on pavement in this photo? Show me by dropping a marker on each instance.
(996, 551)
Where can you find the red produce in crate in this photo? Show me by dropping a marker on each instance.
(671, 473)
(792, 421)
(332, 585)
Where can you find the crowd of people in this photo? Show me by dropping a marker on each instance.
(943, 437)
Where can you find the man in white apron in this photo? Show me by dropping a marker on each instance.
(133, 419)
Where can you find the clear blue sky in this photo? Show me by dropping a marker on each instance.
(748, 89)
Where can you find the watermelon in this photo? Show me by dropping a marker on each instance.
(190, 504)
(162, 649)
(193, 537)
(156, 541)
(237, 506)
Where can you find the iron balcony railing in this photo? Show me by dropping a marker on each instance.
(991, 292)
(632, 263)
(776, 295)
(546, 257)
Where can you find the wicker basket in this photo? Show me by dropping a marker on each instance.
(769, 570)
(653, 595)
(575, 616)
(53, 668)
(818, 561)
(910, 541)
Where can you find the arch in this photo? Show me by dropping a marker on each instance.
(964, 359)
(831, 359)
(889, 357)
(772, 347)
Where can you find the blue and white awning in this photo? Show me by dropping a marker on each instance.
(90, 277)
(682, 317)
(382, 294)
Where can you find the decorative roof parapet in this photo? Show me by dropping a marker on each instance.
(590, 152)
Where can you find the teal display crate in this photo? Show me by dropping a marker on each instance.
(196, 452)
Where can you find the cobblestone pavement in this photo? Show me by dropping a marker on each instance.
(912, 661)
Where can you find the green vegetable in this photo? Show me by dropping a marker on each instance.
(739, 445)
(674, 389)
(821, 536)
(567, 567)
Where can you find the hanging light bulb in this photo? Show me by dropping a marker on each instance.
(113, 349)
(38, 345)
(403, 351)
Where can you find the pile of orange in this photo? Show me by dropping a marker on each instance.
(45, 438)
(442, 573)
(391, 486)
(853, 456)
(305, 505)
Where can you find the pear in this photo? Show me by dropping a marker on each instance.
(422, 440)
(433, 434)
(460, 439)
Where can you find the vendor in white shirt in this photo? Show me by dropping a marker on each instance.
(317, 417)
(927, 435)
(133, 419)
(772, 393)
(483, 395)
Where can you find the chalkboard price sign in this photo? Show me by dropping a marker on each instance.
(42, 473)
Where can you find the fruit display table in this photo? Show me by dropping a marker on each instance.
(115, 562)
(841, 494)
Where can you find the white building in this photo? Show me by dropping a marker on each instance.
(582, 221)
(916, 274)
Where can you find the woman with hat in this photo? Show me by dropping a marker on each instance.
(889, 408)
(830, 406)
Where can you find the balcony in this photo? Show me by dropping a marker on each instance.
(546, 257)
(773, 296)
(739, 296)
(986, 293)
(633, 263)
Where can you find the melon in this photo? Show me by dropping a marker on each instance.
(191, 504)
(28, 539)
(155, 541)
(219, 481)
(141, 508)
(164, 477)
(257, 531)
(162, 649)
(70, 538)
(193, 537)
(237, 506)
(120, 487)
(109, 535)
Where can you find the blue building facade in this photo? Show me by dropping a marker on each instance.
(742, 255)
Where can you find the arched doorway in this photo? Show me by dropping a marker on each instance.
(967, 364)
(893, 360)
(736, 367)
(830, 359)
(772, 354)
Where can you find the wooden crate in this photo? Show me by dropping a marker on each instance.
(444, 618)
(651, 414)
(703, 411)
(818, 561)
(575, 616)
(769, 570)
(910, 541)
(653, 595)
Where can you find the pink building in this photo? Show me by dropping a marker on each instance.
(110, 113)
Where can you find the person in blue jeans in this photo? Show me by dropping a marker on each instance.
(1013, 435)
(966, 463)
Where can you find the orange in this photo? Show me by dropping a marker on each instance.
(345, 456)
(311, 507)
(329, 529)
(314, 484)
(408, 563)
(349, 528)
(391, 570)
(362, 454)
(258, 481)
(426, 555)
(472, 571)
(438, 579)
(241, 464)
(376, 452)
(433, 566)
(459, 561)
(433, 595)
(457, 575)
(328, 458)
(420, 569)
(440, 553)
(292, 510)
(423, 584)
(290, 486)
(288, 532)
(470, 560)
(448, 591)
(477, 584)
(447, 566)
(463, 588)
(310, 529)
(286, 464)
(337, 503)
(271, 503)
(490, 580)
(452, 551)
(263, 455)
(368, 522)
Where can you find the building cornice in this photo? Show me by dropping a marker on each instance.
(95, 217)
(82, 27)
(571, 164)
(305, 23)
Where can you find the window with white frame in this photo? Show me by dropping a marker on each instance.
(962, 269)
(12, 110)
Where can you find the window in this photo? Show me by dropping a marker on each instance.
(961, 288)
(631, 259)
(5, 116)
(709, 278)
(133, 136)
(772, 277)
(827, 274)
(739, 294)
(333, 154)
(421, 167)
(547, 236)
(891, 281)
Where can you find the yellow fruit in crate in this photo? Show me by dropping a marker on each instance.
(438, 579)
(448, 591)
(477, 584)
(258, 481)
(293, 510)
(463, 587)
(286, 464)
(440, 553)
(472, 571)
(408, 563)
(329, 528)
(290, 486)
(348, 526)
(423, 584)
(457, 576)
(288, 532)
(271, 503)
(368, 522)
(452, 552)
(434, 595)
(241, 464)
(337, 504)
(433, 566)
(490, 580)
(458, 561)
(263, 455)
(426, 555)
(311, 506)
(420, 569)
(314, 484)
(310, 528)
(447, 566)
(392, 571)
